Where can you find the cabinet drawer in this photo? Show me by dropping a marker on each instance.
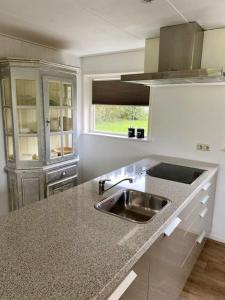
(202, 199)
(192, 256)
(194, 230)
(61, 173)
(181, 241)
(61, 185)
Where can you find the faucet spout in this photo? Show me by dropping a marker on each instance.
(102, 184)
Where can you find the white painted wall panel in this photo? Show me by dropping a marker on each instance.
(132, 61)
(213, 55)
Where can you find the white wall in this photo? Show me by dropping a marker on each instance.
(19, 49)
(131, 61)
(181, 117)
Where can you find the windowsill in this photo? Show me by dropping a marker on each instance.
(123, 137)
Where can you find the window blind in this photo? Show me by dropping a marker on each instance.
(116, 92)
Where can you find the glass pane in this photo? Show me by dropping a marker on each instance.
(55, 146)
(10, 150)
(118, 118)
(25, 92)
(28, 148)
(67, 144)
(67, 94)
(54, 115)
(6, 92)
(8, 120)
(54, 93)
(67, 120)
(27, 120)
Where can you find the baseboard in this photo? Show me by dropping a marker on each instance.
(216, 238)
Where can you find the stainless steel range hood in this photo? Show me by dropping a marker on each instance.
(180, 54)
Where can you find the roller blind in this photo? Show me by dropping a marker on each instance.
(116, 92)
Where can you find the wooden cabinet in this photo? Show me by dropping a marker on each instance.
(39, 112)
(163, 270)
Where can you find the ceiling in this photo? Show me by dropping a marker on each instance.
(87, 27)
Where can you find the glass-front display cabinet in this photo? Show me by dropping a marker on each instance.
(59, 119)
(39, 115)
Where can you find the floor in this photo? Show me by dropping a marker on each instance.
(207, 280)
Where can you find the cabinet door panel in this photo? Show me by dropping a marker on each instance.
(13, 192)
(138, 290)
(27, 117)
(31, 191)
(60, 121)
(165, 277)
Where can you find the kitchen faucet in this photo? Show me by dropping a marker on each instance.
(102, 184)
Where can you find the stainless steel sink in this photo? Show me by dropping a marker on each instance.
(133, 205)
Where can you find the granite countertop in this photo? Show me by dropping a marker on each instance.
(63, 248)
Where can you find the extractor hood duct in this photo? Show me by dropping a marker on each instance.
(180, 54)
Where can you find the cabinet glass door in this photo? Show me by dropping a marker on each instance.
(8, 119)
(27, 119)
(59, 119)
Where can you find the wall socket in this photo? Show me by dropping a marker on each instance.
(203, 147)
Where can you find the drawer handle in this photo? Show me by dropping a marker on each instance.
(204, 212)
(201, 237)
(170, 229)
(63, 173)
(205, 199)
(206, 186)
(124, 285)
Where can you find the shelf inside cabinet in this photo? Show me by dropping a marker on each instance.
(28, 134)
(27, 106)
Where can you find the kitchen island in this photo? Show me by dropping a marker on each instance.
(63, 248)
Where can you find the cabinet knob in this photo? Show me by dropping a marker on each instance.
(205, 199)
(63, 173)
(206, 186)
(201, 237)
(204, 212)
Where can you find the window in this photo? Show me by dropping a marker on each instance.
(117, 105)
(116, 119)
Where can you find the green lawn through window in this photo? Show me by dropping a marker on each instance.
(118, 118)
(121, 126)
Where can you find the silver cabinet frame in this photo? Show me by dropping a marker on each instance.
(27, 178)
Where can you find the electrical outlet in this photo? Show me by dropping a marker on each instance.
(203, 147)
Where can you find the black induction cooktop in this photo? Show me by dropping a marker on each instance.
(175, 173)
